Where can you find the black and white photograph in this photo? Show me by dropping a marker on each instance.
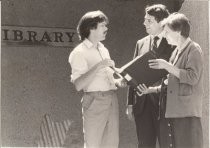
(104, 73)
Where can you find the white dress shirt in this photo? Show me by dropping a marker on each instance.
(83, 58)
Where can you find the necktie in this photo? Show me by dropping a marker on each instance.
(154, 46)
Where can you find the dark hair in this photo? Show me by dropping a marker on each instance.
(159, 11)
(90, 21)
(178, 22)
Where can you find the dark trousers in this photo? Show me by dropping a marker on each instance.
(147, 123)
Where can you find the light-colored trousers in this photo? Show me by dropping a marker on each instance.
(100, 119)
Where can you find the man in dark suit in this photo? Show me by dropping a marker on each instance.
(144, 108)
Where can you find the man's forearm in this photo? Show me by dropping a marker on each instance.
(85, 79)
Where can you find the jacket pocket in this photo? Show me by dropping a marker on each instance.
(185, 89)
(87, 100)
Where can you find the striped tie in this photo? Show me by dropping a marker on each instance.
(154, 45)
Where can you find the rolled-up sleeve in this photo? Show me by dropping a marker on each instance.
(193, 69)
(78, 65)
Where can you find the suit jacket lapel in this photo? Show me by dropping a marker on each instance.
(146, 45)
(164, 50)
(162, 45)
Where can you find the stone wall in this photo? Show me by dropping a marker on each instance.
(198, 13)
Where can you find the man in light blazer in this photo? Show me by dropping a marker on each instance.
(144, 108)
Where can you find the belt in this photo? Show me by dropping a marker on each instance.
(101, 93)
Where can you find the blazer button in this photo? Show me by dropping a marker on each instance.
(170, 91)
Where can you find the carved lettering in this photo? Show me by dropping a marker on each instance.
(70, 36)
(32, 36)
(58, 37)
(13, 35)
(46, 37)
(18, 35)
(5, 36)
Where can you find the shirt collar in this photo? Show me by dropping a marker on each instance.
(160, 35)
(89, 44)
(183, 46)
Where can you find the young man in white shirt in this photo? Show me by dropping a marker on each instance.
(90, 62)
